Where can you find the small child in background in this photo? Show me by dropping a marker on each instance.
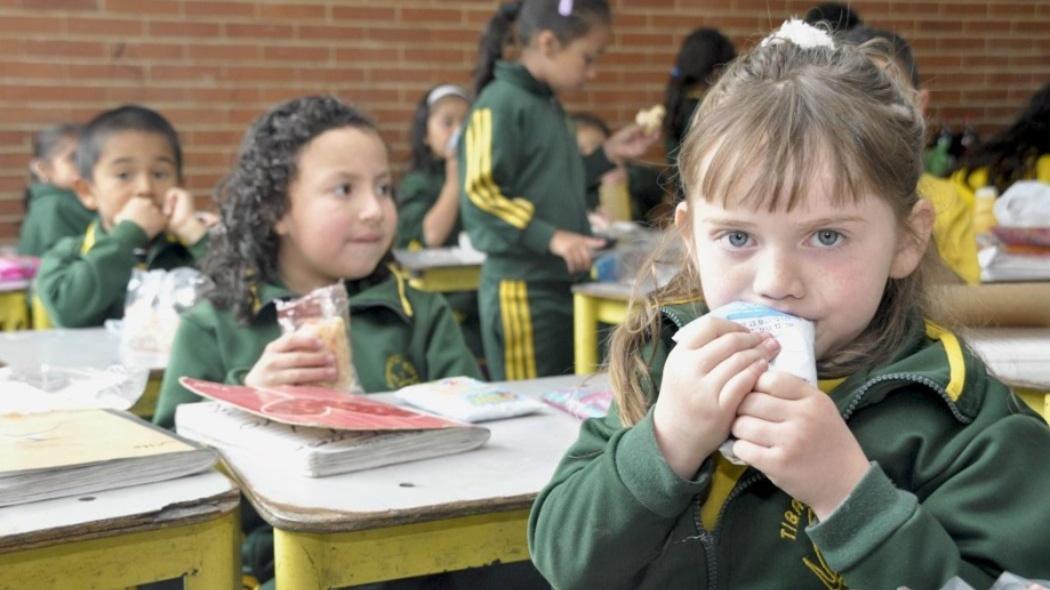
(643, 182)
(52, 210)
(905, 465)
(130, 170)
(953, 229)
(524, 182)
(428, 197)
(702, 57)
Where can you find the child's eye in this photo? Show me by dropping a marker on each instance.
(736, 239)
(826, 238)
(161, 174)
(124, 176)
(344, 189)
(386, 190)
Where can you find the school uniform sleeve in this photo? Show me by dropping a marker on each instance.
(497, 219)
(194, 353)
(199, 248)
(594, 166)
(413, 202)
(990, 515)
(78, 289)
(48, 222)
(447, 354)
(612, 502)
(610, 507)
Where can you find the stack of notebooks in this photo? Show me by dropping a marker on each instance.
(318, 432)
(70, 453)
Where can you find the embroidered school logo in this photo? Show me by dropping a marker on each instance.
(400, 372)
(799, 516)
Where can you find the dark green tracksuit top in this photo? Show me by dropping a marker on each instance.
(523, 176)
(398, 336)
(83, 280)
(418, 192)
(958, 487)
(53, 213)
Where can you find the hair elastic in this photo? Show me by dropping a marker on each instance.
(565, 7)
(801, 34)
(444, 91)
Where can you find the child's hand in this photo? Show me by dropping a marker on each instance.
(792, 432)
(182, 216)
(629, 143)
(576, 249)
(714, 365)
(452, 169)
(143, 213)
(292, 359)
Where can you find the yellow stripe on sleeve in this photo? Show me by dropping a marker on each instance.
(480, 186)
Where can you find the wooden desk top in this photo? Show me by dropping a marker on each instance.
(184, 500)
(504, 474)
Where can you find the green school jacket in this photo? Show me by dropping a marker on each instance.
(957, 488)
(398, 336)
(523, 176)
(83, 280)
(53, 213)
(417, 193)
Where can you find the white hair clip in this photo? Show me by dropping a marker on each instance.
(801, 34)
(565, 7)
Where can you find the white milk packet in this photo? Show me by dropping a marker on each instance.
(795, 335)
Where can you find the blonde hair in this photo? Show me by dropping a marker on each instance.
(792, 112)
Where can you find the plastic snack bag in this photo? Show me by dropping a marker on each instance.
(324, 313)
(152, 310)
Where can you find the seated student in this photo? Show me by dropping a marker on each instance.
(953, 229)
(703, 55)
(130, 166)
(643, 182)
(1020, 152)
(428, 197)
(905, 465)
(52, 210)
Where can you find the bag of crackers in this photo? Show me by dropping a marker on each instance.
(324, 313)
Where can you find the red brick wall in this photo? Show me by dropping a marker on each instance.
(212, 66)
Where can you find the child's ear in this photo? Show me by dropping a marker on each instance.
(548, 43)
(914, 243)
(85, 193)
(39, 169)
(683, 224)
(281, 227)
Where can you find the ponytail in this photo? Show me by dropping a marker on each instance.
(497, 35)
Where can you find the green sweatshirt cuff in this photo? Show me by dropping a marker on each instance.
(874, 510)
(199, 248)
(647, 475)
(130, 235)
(537, 236)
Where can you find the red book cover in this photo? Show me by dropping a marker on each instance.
(317, 407)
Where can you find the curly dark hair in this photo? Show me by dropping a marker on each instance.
(254, 196)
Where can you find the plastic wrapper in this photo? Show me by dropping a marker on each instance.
(45, 388)
(155, 301)
(580, 401)
(324, 313)
(468, 400)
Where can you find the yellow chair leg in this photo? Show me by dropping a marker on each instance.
(585, 333)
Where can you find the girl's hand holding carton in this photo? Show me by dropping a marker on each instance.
(715, 364)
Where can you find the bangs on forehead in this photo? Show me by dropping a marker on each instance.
(770, 148)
